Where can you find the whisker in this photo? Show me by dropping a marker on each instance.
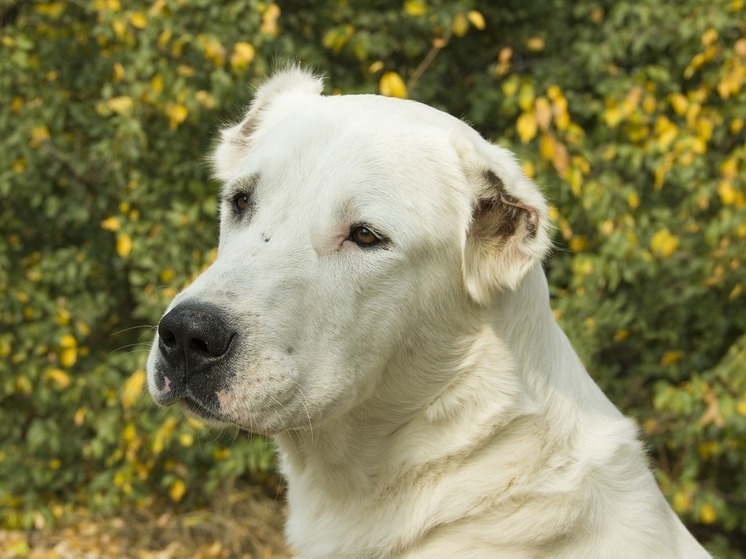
(138, 327)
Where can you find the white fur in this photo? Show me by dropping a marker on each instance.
(425, 402)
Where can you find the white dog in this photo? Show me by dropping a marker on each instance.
(378, 305)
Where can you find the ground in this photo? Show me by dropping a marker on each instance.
(245, 524)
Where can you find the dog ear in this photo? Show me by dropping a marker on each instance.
(508, 231)
(235, 140)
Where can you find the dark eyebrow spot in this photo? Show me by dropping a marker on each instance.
(245, 184)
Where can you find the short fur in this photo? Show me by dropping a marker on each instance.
(425, 403)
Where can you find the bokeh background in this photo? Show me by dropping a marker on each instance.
(630, 114)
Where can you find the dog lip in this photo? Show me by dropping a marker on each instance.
(166, 392)
(198, 407)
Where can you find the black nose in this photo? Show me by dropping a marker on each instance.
(194, 337)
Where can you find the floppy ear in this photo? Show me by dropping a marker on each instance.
(507, 233)
(235, 140)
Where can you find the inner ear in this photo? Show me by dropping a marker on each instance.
(499, 215)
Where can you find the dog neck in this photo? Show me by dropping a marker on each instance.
(548, 363)
(504, 389)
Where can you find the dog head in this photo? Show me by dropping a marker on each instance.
(354, 230)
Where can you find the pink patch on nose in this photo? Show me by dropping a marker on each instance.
(225, 398)
(166, 386)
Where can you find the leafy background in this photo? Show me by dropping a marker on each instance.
(629, 114)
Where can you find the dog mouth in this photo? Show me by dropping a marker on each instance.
(201, 409)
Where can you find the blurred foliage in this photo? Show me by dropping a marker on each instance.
(630, 114)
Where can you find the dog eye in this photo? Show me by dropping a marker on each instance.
(363, 236)
(241, 203)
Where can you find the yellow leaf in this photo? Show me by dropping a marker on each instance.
(377, 66)
(39, 135)
(579, 243)
(664, 243)
(561, 159)
(575, 179)
(159, 440)
(68, 357)
(613, 115)
(79, 417)
(660, 173)
(132, 388)
(156, 84)
(168, 275)
(130, 432)
(120, 105)
(707, 449)
(139, 20)
(704, 129)
(243, 54)
(682, 501)
(649, 104)
(124, 245)
(707, 514)
(415, 7)
(63, 316)
(213, 50)
(535, 44)
(177, 113)
(19, 165)
(699, 146)
(666, 137)
(59, 377)
(727, 193)
(476, 19)
(621, 335)
(696, 62)
(68, 340)
(547, 147)
(118, 73)
(269, 20)
(158, 7)
(205, 99)
(543, 113)
(509, 86)
(5, 347)
(119, 27)
(177, 490)
(221, 453)
(51, 9)
(391, 84)
(195, 423)
(737, 291)
(164, 37)
(110, 224)
(460, 25)
(729, 168)
(709, 37)
(672, 357)
(526, 127)
(107, 5)
(679, 103)
(186, 439)
(526, 96)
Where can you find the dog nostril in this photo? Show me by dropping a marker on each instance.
(194, 336)
(167, 337)
(199, 345)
